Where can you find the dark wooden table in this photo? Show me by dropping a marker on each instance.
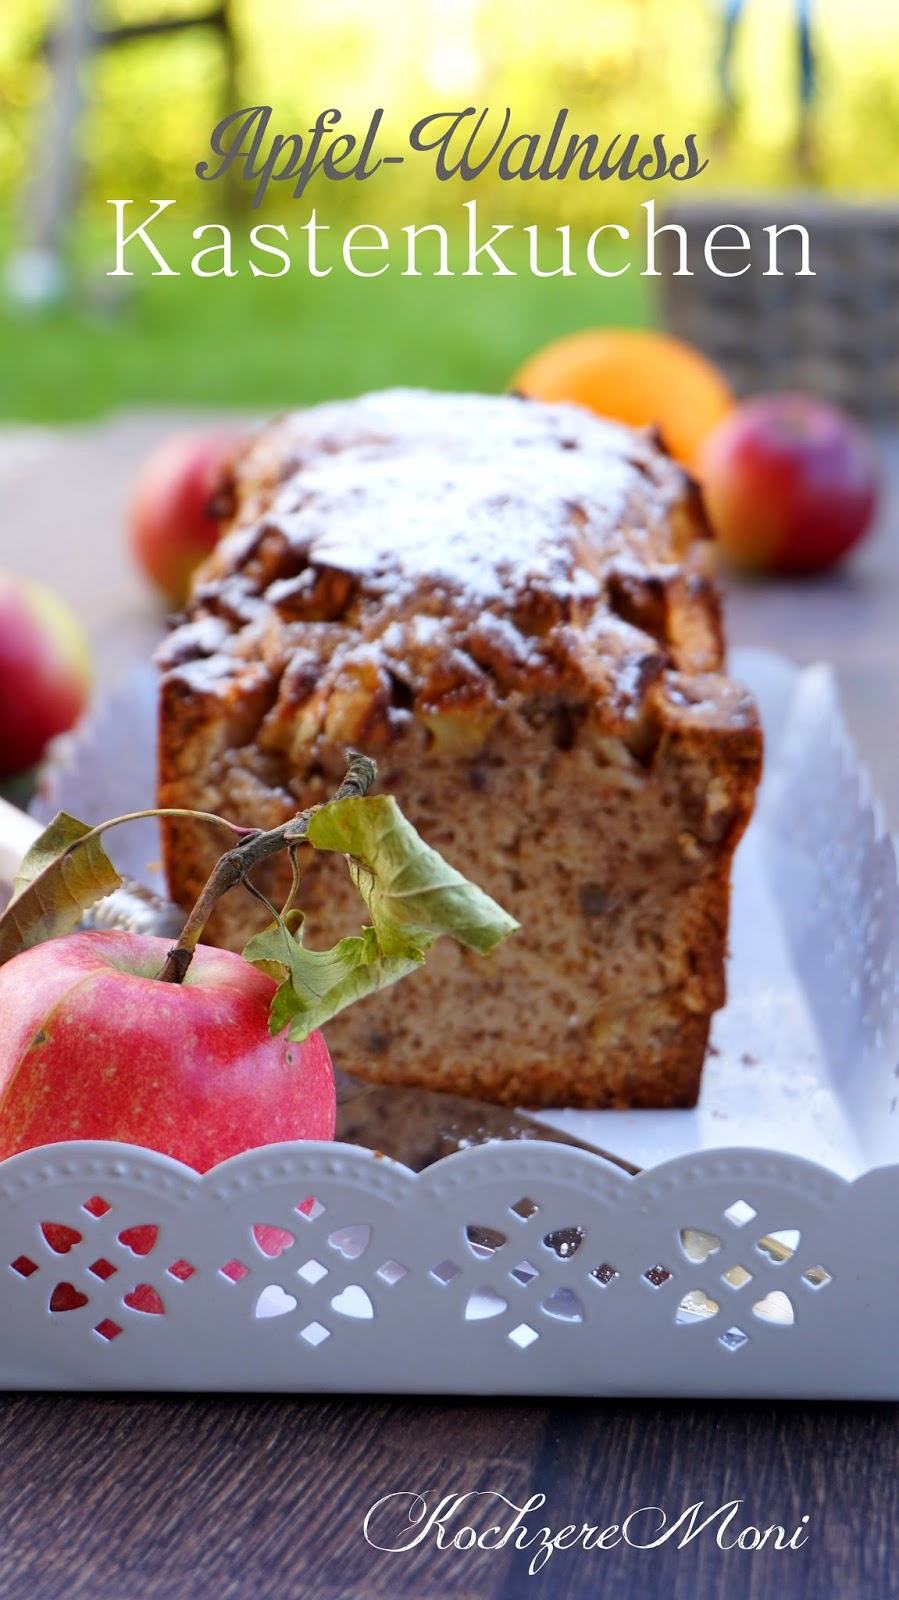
(122, 1498)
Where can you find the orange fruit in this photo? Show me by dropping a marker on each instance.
(635, 376)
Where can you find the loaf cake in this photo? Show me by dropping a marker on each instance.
(508, 605)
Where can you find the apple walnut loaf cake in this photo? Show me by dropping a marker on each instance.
(508, 605)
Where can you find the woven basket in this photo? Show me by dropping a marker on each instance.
(835, 334)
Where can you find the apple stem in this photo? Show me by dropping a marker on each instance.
(232, 868)
(157, 811)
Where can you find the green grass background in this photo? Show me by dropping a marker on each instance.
(266, 344)
(618, 65)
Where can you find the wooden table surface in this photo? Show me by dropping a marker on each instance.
(127, 1497)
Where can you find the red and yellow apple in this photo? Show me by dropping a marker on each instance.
(790, 484)
(44, 671)
(171, 517)
(94, 1046)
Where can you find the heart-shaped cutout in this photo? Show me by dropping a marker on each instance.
(352, 1242)
(484, 1241)
(564, 1242)
(564, 1305)
(66, 1297)
(780, 1245)
(144, 1298)
(140, 1239)
(483, 1303)
(696, 1306)
(353, 1302)
(60, 1237)
(776, 1308)
(698, 1245)
(275, 1302)
(272, 1241)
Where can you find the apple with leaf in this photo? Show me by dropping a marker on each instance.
(197, 1052)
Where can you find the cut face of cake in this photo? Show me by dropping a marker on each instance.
(509, 606)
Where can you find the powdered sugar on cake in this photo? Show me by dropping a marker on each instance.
(447, 552)
(468, 490)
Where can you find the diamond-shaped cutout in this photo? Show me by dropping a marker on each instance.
(312, 1272)
(525, 1208)
(734, 1339)
(657, 1275)
(24, 1266)
(605, 1274)
(182, 1270)
(108, 1329)
(391, 1272)
(102, 1269)
(234, 1271)
(696, 1306)
(96, 1206)
(524, 1335)
(564, 1242)
(736, 1277)
(446, 1272)
(315, 1334)
(740, 1213)
(698, 1245)
(484, 1242)
(818, 1277)
(780, 1246)
(311, 1208)
(525, 1272)
(564, 1305)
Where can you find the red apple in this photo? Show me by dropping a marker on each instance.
(44, 671)
(170, 517)
(93, 1046)
(790, 483)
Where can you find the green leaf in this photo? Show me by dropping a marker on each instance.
(316, 984)
(412, 896)
(59, 879)
(408, 888)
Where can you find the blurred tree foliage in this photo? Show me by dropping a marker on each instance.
(620, 65)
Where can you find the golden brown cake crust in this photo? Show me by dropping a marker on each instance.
(509, 605)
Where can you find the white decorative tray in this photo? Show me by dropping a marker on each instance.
(755, 1254)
